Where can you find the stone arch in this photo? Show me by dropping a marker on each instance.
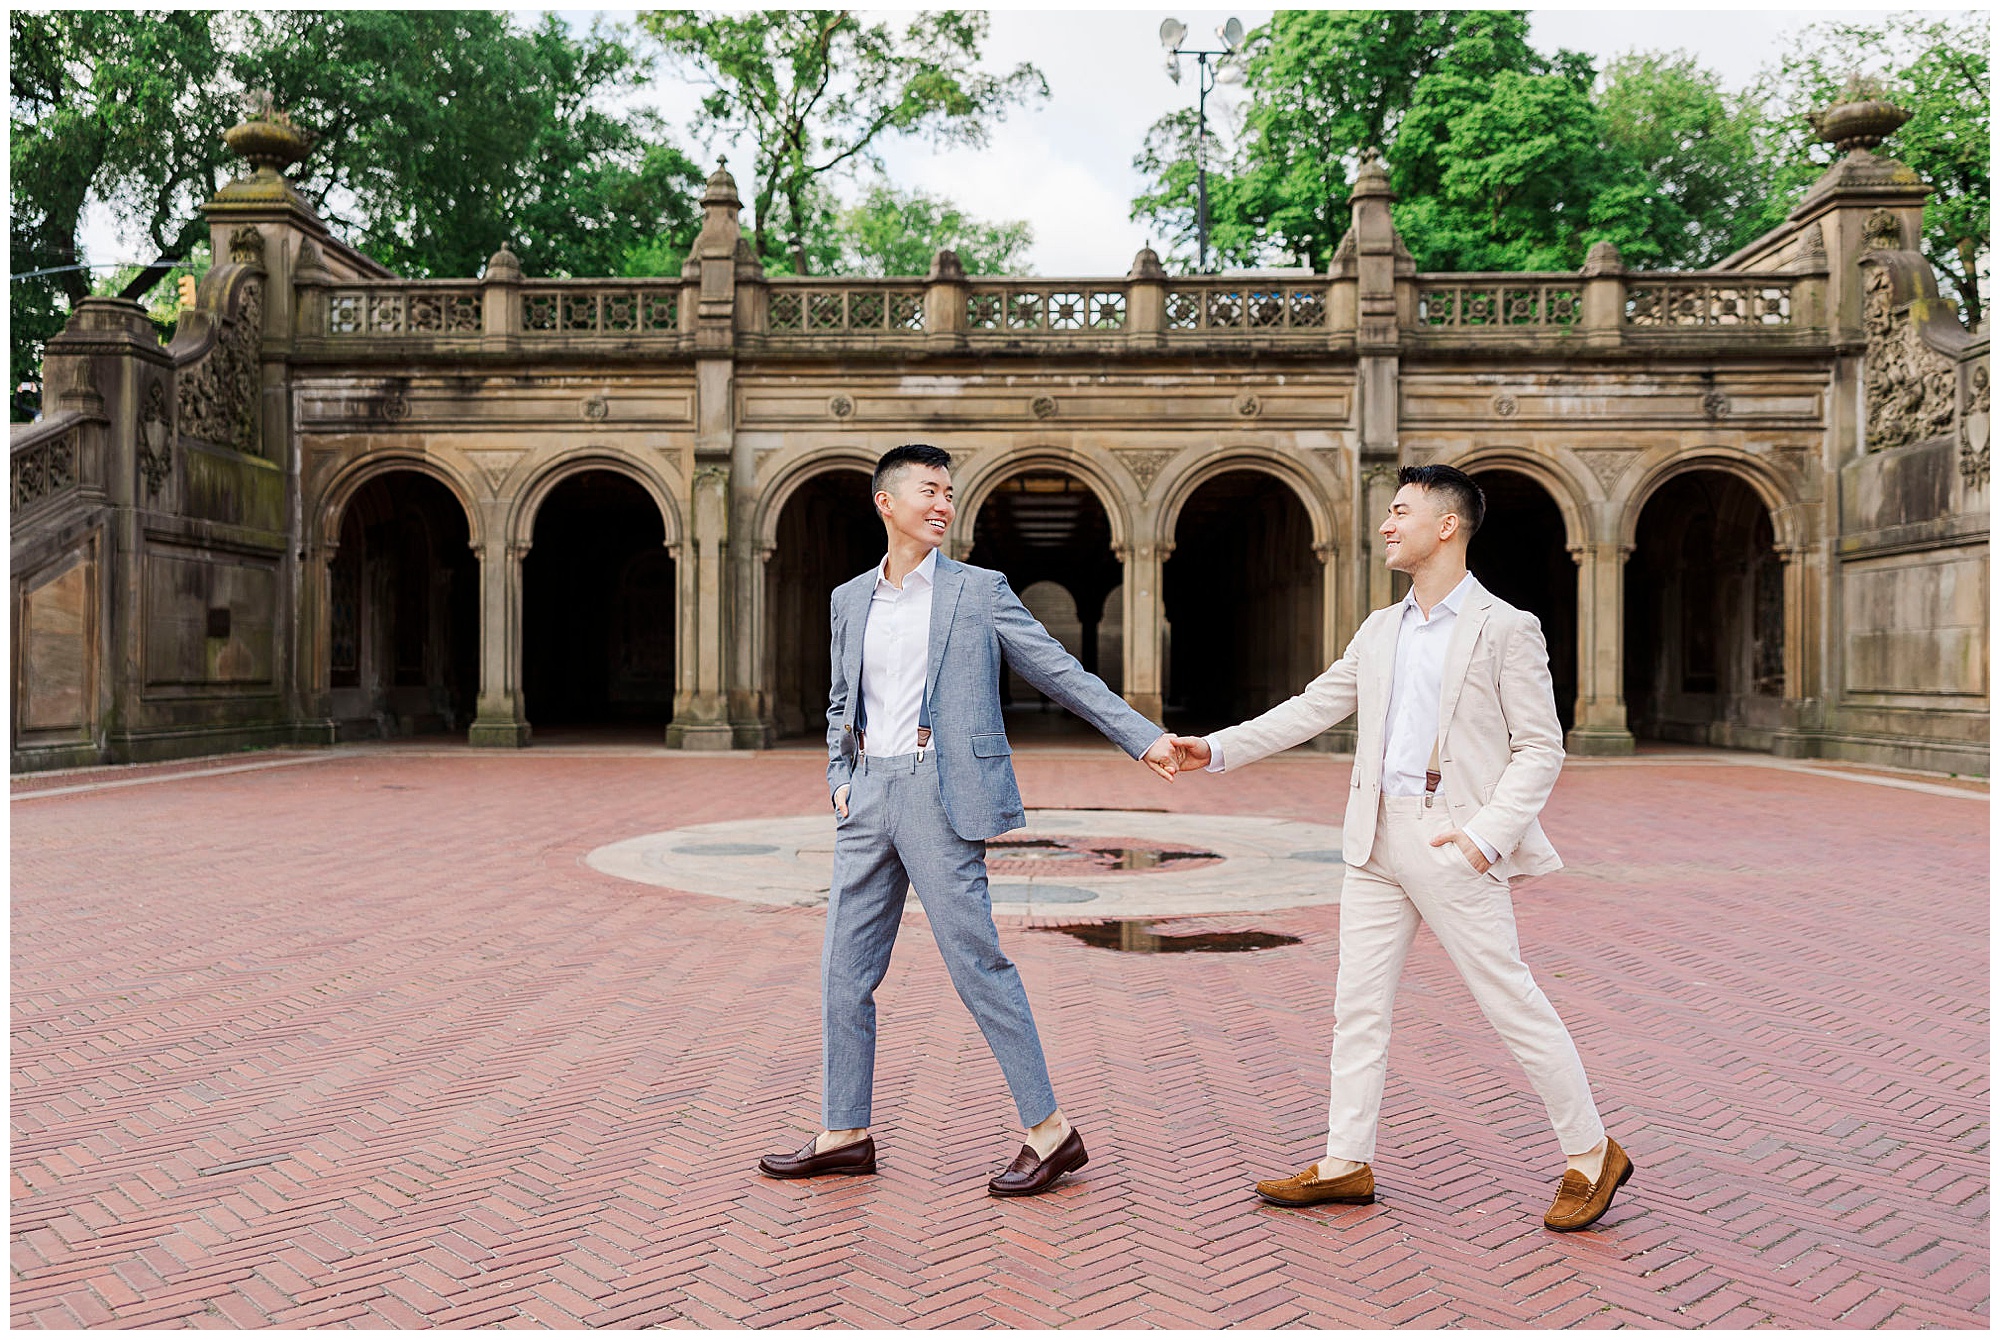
(1778, 496)
(987, 475)
(340, 490)
(1262, 460)
(774, 494)
(1564, 488)
(527, 501)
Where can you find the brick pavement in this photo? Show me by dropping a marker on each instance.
(362, 1042)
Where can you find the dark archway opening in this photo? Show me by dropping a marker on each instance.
(598, 608)
(1521, 554)
(404, 611)
(1049, 534)
(1242, 592)
(827, 533)
(1705, 616)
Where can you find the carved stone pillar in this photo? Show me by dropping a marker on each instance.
(1331, 642)
(1600, 727)
(1803, 584)
(1146, 300)
(1603, 315)
(701, 706)
(945, 291)
(502, 720)
(1145, 627)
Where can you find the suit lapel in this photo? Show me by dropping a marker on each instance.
(1382, 669)
(944, 603)
(1472, 616)
(859, 602)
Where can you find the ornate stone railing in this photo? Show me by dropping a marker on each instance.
(1437, 307)
(403, 307)
(1055, 307)
(850, 307)
(46, 464)
(1498, 301)
(1678, 300)
(1229, 304)
(584, 307)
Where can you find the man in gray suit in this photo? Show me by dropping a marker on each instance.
(921, 776)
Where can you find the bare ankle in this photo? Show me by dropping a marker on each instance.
(829, 1140)
(1330, 1168)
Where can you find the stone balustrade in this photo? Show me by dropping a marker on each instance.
(46, 463)
(787, 311)
(1664, 300)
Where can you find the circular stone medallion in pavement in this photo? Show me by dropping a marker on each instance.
(1106, 863)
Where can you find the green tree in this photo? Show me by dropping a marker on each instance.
(443, 134)
(1688, 184)
(1937, 69)
(1322, 85)
(896, 232)
(439, 136)
(1500, 155)
(817, 90)
(119, 106)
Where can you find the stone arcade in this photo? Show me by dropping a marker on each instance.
(1750, 503)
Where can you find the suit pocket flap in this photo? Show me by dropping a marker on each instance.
(993, 745)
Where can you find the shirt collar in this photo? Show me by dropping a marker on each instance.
(925, 572)
(1450, 603)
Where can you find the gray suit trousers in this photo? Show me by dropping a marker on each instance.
(896, 837)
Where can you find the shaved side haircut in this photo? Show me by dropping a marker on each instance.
(910, 453)
(1456, 492)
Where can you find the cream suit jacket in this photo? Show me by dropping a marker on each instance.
(1500, 744)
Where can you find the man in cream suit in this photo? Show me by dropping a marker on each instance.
(920, 775)
(1457, 748)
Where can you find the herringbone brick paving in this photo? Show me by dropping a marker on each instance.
(362, 1042)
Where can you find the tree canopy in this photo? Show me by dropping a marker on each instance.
(1503, 157)
(817, 91)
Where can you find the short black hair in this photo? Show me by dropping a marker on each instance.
(910, 453)
(1457, 492)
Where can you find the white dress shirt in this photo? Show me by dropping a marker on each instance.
(896, 657)
(1415, 691)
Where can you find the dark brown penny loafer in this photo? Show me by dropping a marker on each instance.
(1309, 1188)
(1030, 1174)
(1580, 1202)
(848, 1160)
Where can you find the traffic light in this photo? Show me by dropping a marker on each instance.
(186, 285)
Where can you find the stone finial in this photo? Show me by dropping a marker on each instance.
(946, 268)
(1146, 265)
(722, 188)
(1861, 118)
(1372, 178)
(267, 137)
(503, 266)
(1603, 259)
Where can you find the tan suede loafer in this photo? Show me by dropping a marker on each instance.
(1581, 1202)
(1308, 1188)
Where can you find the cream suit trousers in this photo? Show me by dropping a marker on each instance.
(1407, 880)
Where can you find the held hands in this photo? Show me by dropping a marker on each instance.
(1466, 845)
(1172, 754)
(1161, 757)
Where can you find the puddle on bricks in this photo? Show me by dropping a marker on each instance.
(1139, 937)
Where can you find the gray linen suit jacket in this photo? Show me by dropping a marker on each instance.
(977, 624)
(1499, 740)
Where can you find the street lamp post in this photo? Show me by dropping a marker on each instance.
(1172, 33)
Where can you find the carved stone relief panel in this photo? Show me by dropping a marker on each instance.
(1909, 384)
(219, 394)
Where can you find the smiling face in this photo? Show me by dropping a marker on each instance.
(915, 501)
(1416, 528)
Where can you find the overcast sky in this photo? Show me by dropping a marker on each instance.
(1066, 166)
